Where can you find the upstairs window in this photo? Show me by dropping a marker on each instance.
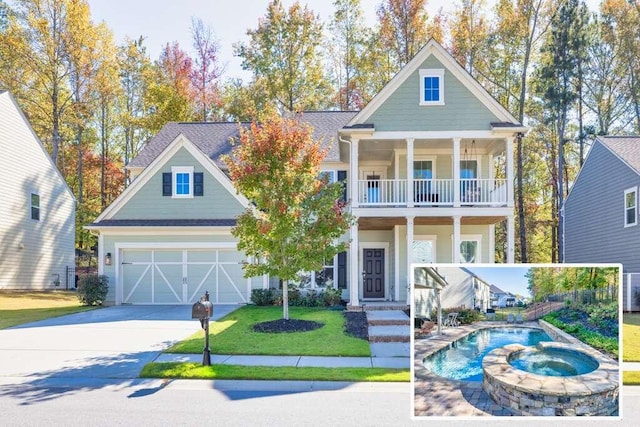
(631, 207)
(182, 182)
(35, 206)
(431, 87)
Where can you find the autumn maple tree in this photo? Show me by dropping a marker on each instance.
(297, 216)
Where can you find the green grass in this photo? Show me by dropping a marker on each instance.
(631, 377)
(631, 337)
(218, 372)
(233, 334)
(19, 307)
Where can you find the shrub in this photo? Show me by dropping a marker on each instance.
(92, 289)
(332, 296)
(466, 316)
(262, 296)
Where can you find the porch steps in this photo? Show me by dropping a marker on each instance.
(388, 326)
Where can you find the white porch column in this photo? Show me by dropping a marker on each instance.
(396, 262)
(409, 256)
(410, 172)
(354, 274)
(456, 173)
(628, 292)
(510, 168)
(492, 244)
(511, 228)
(265, 281)
(456, 239)
(353, 172)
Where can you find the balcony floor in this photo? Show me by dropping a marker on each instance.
(387, 223)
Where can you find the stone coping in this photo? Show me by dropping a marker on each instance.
(603, 379)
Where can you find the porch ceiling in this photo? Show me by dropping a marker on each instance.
(387, 223)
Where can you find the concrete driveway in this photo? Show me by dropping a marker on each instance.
(107, 343)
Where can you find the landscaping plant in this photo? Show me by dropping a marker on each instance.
(92, 289)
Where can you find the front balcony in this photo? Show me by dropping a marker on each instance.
(432, 192)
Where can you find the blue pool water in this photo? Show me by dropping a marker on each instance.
(463, 359)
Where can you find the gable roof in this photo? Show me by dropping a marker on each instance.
(496, 290)
(506, 119)
(180, 141)
(627, 148)
(54, 168)
(214, 138)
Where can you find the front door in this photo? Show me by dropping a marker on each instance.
(373, 273)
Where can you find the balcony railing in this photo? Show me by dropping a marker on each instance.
(432, 192)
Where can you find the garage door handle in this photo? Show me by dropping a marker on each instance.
(127, 263)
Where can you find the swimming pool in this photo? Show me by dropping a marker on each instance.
(462, 360)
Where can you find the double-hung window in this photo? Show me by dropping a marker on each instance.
(431, 87)
(182, 181)
(35, 206)
(631, 207)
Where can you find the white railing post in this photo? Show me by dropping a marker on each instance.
(410, 198)
(456, 172)
(353, 173)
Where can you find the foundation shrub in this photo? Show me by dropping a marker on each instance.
(92, 289)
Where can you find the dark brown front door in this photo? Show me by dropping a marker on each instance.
(373, 274)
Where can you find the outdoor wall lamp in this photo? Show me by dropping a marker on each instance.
(107, 259)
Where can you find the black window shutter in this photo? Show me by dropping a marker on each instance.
(342, 176)
(342, 270)
(198, 184)
(166, 183)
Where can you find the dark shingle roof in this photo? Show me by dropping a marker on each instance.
(213, 138)
(627, 147)
(165, 223)
(496, 290)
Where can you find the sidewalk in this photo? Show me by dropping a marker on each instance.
(631, 366)
(296, 361)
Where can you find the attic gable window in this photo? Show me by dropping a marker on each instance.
(182, 182)
(631, 207)
(431, 87)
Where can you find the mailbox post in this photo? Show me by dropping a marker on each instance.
(202, 310)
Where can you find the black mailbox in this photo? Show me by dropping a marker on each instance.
(202, 310)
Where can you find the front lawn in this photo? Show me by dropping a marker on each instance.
(234, 334)
(19, 307)
(219, 372)
(631, 337)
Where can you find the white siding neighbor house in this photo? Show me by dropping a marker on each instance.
(428, 169)
(37, 208)
(601, 211)
(463, 289)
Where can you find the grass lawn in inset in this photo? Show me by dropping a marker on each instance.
(631, 377)
(218, 372)
(631, 337)
(234, 334)
(19, 307)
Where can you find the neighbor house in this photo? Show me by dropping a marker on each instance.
(37, 209)
(462, 289)
(601, 211)
(428, 165)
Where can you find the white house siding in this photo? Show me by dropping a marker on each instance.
(33, 254)
(460, 292)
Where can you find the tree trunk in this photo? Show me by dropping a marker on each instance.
(285, 299)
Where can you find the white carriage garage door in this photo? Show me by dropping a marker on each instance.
(181, 276)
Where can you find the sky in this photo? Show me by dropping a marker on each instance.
(507, 277)
(163, 21)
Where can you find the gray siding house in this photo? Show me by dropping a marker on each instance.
(37, 208)
(428, 166)
(601, 211)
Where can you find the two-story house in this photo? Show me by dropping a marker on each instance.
(601, 211)
(37, 209)
(428, 165)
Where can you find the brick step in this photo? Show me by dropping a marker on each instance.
(389, 322)
(389, 333)
(389, 339)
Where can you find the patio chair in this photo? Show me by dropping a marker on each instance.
(519, 318)
(491, 314)
(510, 318)
(451, 320)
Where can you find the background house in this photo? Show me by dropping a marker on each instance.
(463, 289)
(37, 209)
(601, 211)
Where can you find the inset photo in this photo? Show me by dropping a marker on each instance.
(516, 340)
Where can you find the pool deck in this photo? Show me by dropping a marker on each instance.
(437, 396)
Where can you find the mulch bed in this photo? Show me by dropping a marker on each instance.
(356, 324)
(287, 326)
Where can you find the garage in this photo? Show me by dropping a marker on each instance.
(182, 275)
